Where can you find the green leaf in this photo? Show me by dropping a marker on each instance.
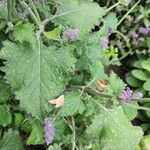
(54, 147)
(110, 22)
(145, 142)
(146, 65)
(120, 134)
(18, 119)
(97, 71)
(116, 84)
(37, 133)
(36, 73)
(5, 115)
(96, 127)
(73, 104)
(89, 14)
(54, 34)
(24, 33)
(5, 91)
(146, 85)
(134, 82)
(11, 141)
(130, 112)
(139, 74)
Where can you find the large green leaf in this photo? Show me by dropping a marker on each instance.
(11, 141)
(5, 115)
(83, 16)
(139, 74)
(36, 73)
(119, 134)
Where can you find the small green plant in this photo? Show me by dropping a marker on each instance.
(139, 77)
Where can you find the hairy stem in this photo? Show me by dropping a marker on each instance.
(74, 133)
(128, 13)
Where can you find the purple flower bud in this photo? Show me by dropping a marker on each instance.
(105, 42)
(126, 95)
(134, 36)
(137, 95)
(144, 30)
(49, 131)
(71, 35)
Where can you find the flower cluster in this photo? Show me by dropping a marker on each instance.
(126, 95)
(144, 30)
(49, 131)
(71, 35)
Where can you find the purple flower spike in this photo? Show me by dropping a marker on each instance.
(49, 131)
(71, 35)
(105, 42)
(144, 30)
(126, 95)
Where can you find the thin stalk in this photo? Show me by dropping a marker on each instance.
(112, 7)
(31, 13)
(74, 133)
(35, 11)
(9, 9)
(128, 13)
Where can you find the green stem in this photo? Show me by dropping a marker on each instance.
(112, 7)
(31, 13)
(35, 11)
(9, 9)
(128, 13)
(74, 133)
(137, 107)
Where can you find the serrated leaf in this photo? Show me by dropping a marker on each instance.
(146, 65)
(139, 74)
(5, 115)
(97, 71)
(146, 85)
(37, 133)
(95, 128)
(36, 73)
(89, 13)
(24, 33)
(54, 34)
(120, 135)
(73, 104)
(130, 112)
(5, 91)
(11, 141)
(54, 147)
(116, 84)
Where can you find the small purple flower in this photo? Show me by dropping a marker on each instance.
(105, 42)
(134, 36)
(71, 35)
(144, 30)
(49, 131)
(126, 95)
(137, 95)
